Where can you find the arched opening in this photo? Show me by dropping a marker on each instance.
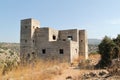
(54, 37)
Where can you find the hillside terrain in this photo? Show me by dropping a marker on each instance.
(51, 70)
(9, 56)
(15, 47)
(94, 41)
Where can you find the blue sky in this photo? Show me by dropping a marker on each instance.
(98, 17)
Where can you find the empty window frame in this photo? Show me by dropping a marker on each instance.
(28, 56)
(70, 38)
(81, 40)
(54, 37)
(25, 41)
(43, 51)
(64, 39)
(33, 53)
(33, 41)
(61, 51)
(26, 27)
(76, 50)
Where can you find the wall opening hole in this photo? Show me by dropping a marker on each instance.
(25, 41)
(81, 40)
(61, 51)
(70, 38)
(26, 27)
(33, 53)
(43, 51)
(28, 55)
(64, 40)
(54, 37)
(33, 41)
(76, 50)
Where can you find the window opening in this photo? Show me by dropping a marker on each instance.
(26, 27)
(81, 40)
(54, 37)
(43, 51)
(76, 50)
(64, 40)
(70, 38)
(33, 41)
(61, 51)
(25, 41)
(28, 55)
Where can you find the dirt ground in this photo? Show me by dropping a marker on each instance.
(73, 73)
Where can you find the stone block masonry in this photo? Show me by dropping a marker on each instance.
(47, 43)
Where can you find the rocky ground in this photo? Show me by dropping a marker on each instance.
(76, 73)
(63, 72)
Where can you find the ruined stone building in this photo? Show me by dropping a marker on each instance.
(48, 43)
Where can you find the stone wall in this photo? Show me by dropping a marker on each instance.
(83, 43)
(27, 42)
(51, 50)
(74, 51)
(48, 43)
(67, 34)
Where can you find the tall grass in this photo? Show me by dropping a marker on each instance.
(40, 70)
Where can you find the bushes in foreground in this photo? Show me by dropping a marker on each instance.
(39, 70)
(109, 49)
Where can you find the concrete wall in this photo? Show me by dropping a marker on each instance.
(64, 45)
(52, 51)
(42, 35)
(64, 34)
(83, 43)
(74, 51)
(27, 45)
(53, 34)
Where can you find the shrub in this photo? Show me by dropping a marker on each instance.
(109, 49)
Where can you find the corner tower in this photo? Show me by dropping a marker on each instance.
(27, 38)
(83, 43)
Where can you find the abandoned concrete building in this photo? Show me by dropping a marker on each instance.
(48, 43)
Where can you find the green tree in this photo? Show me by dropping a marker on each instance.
(117, 49)
(106, 49)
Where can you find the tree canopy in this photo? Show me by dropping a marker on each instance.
(109, 49)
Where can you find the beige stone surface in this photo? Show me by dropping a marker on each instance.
(47, 43)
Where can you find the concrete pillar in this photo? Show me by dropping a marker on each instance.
(27, 40)
(83, 43)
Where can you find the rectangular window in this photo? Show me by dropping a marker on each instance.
(61, 51)
(26, 27)
(76, 50)
(25, 41)
(70, 38)
(64, 40)
(43, 51)
(33, 41)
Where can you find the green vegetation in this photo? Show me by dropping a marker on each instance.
(9, 56)
(14, 47)
(109, 50)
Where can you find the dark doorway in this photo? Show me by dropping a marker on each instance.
(61, 51)
(43, 51)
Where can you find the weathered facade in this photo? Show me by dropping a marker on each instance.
(48, 43)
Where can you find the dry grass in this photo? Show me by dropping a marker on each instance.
(40, 70)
